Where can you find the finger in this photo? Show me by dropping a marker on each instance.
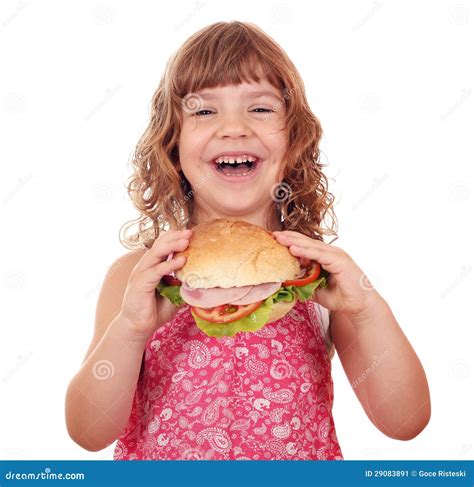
(326, 258)
(160, 253)
(305, 243)
(152, 276)
(287, 233)
(297, 238)
(168, 266)
(291, 233)
(172, 235)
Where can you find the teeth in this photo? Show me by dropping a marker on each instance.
(235, 160)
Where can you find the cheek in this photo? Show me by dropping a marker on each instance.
(277, 144)
(190, 148)
(281, 163)
(194, 137)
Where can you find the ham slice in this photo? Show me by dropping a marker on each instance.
(214, 296)
(258, 293)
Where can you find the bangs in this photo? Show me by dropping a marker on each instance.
(226, 56)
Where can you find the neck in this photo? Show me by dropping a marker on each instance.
(264, 217)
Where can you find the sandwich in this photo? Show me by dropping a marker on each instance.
(238, 277)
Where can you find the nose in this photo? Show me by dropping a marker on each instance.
(233, 125)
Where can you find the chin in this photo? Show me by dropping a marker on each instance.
(235, 204)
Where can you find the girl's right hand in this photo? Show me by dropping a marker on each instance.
(140, 302)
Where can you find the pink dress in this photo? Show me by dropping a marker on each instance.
(265, 395)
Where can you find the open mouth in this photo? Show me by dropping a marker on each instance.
(238, 167)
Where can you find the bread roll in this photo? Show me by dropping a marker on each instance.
(226, 253)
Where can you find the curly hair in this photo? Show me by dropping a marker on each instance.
(221, 54)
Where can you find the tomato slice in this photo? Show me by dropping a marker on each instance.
(226, 312)
(169, 280)
(311, 274)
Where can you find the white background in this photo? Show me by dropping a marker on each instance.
(392, 85)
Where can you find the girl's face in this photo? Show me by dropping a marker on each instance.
(246, 119)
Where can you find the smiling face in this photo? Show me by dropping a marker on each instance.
(247, 119)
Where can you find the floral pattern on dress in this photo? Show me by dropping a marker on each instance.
(264, 395)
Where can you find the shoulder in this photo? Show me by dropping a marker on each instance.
(131, 256)
(126, 262)
(116, 280)
(110, 297)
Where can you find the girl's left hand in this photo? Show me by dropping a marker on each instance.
(349, 289)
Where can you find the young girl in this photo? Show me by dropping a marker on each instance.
(151, 378)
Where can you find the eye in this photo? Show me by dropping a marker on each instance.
(200, 113)
(265, 110)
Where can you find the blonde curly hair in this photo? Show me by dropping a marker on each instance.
(221, 54)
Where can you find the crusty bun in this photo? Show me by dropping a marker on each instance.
(279, 310)
(226, 253)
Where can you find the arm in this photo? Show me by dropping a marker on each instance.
(100, 396)
(383, 369)
(379, 361)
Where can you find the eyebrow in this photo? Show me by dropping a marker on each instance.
(207, 95)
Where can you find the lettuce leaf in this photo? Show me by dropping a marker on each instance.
(303, 293)
(171, 292)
